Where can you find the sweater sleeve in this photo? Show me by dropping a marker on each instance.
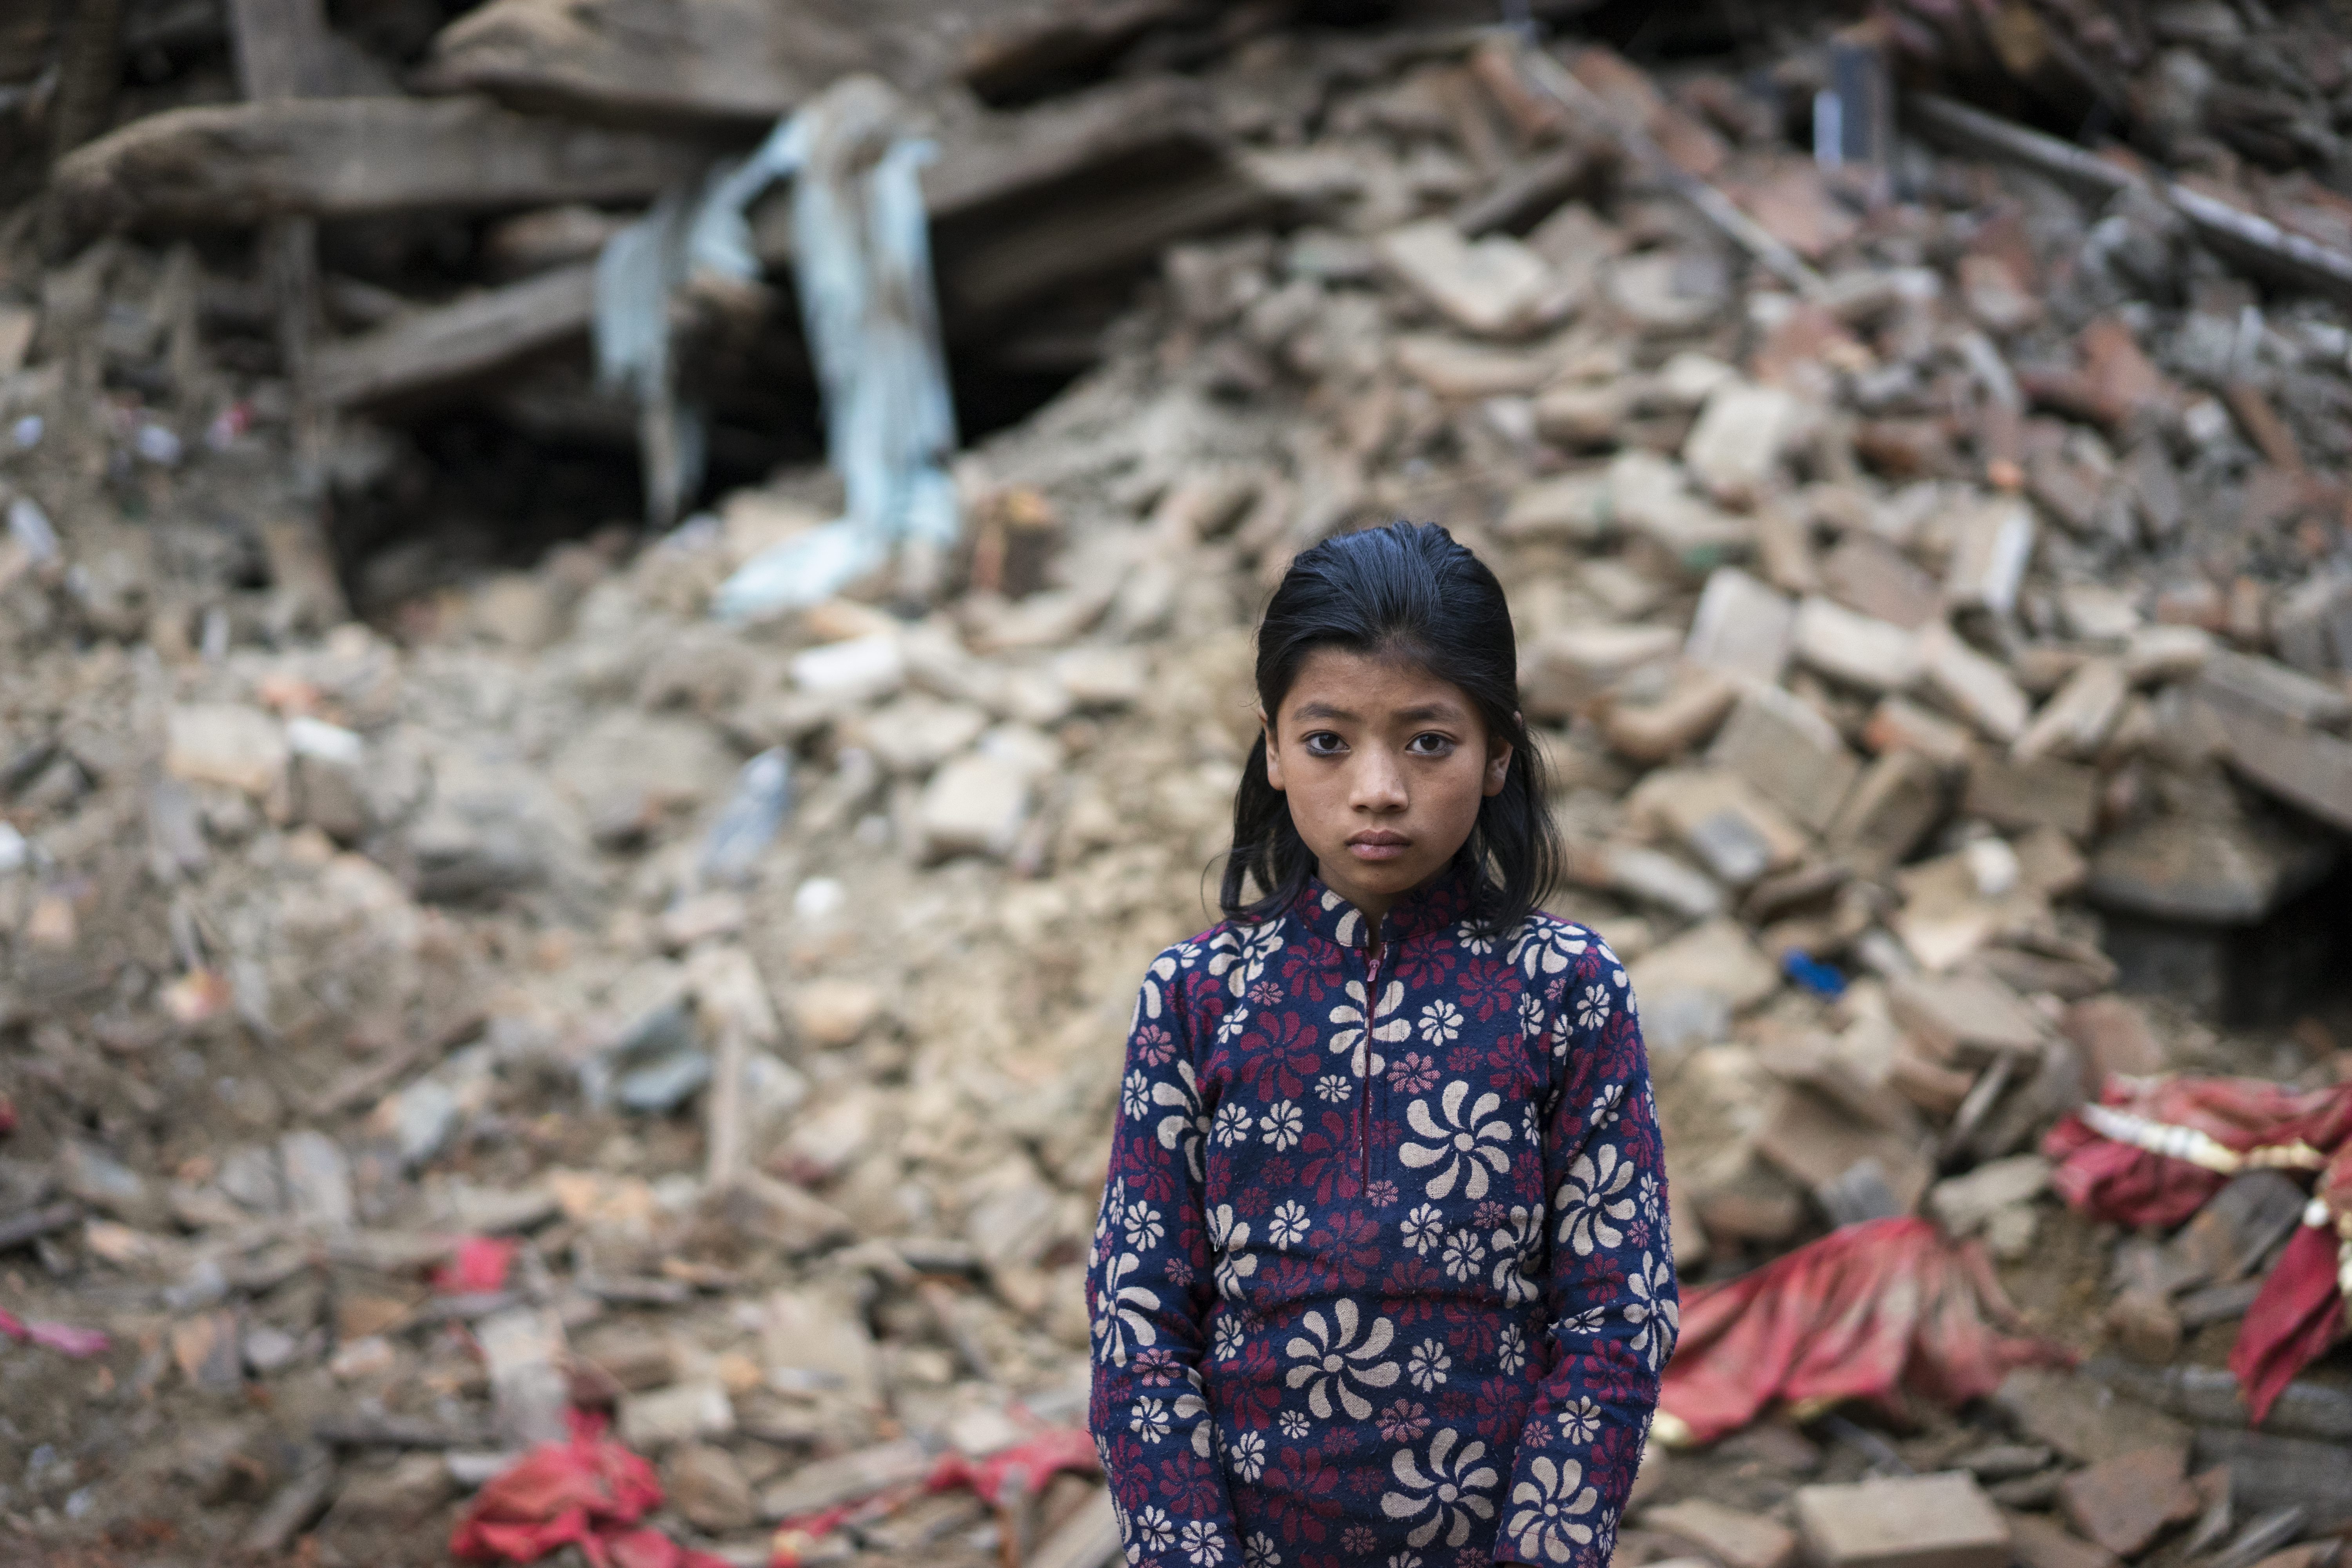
(1610, 1301)
(1149, 1290)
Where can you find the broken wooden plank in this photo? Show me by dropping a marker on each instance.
(1016, 59)
(720, 60)
(234, 164)
(2252, 241)
(428, 350)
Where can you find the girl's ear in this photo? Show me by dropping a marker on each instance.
(1272, 756)
(1499, 765)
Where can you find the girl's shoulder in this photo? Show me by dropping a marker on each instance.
(1212, 954)
(1550, 935)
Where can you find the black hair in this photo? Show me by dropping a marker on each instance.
(1407, 592)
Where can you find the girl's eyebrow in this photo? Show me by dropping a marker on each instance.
(1423, 714)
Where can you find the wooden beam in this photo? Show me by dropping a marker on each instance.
(233, 164)
(433, 348)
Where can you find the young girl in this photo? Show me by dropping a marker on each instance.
(1383, 1274)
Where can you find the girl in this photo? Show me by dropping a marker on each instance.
(1382, 1275)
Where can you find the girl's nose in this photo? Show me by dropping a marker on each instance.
(1379, 783)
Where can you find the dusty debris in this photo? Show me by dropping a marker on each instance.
(544, 996)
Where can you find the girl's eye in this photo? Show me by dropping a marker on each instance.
(1324, 743)
(1429, 743)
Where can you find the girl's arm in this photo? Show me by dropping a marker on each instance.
(1609, 1298)
(1148, 1293)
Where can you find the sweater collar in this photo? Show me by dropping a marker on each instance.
(1432, 907)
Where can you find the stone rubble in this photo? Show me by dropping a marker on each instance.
(1920, 663)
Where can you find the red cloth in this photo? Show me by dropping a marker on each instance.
(2300, 1312)
(585, 1492)
(1873, 1311)
(63, 1338)
(479, 1267)
(2128, 1185)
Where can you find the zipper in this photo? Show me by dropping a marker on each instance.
(1375, 951)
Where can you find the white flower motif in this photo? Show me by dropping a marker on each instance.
(1541, 949)
(1427, 1365)
(1441, 1023)
(1282, 1124)
(1241, 959)
(1149, 1420)
(1550, 1509)
(1605, 1107)
(1202, 1549)
(1357, 1026)
(1463, 1255)
(1332, 1361)
(1404, 1560)
(1422, 1229)
(1259, 1551)
(1293, 1423)
(1653, 1310)
(1231, 1026)
(1592, 1007)
(1579, 1420)
(1230, 1337)
(1533, 1020)
(1135, 1095)
(1192, 1407)
(1517, 1241)
(1649, 1196)
(1227, 1238)
(1471, 943)
(1288, 1224)
(1142, 1227)
(1511, 1349)
(1186, 1125)
(1231, 1125)
(1588, 1321)
(1333, 1090)
(1245, 1456)
(1591, 1197)
(1121, 1311)
(1446, 1493)
(1465, 1148)
(1155, 1529)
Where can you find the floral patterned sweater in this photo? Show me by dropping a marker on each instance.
(1382, 1275)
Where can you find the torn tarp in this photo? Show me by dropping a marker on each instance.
(2152, 1150)
(1874, 1312)
(2155, 1150)
(588, 1492)
(861, 248)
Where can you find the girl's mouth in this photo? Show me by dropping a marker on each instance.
(1378, 845)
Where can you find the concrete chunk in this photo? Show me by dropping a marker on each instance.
(2076, 721)
(1736, 448)
(2123, 1504)
(1874, 655)
(1965, 1018)
(226, 744)
(973, 805)
(1493, 287)
(1991, 542)
(1741, 627)
(1978, 689)
(1909, 1522)
(1789, 753)
(1899, 798)
(2045, 792)
(1733, 1538)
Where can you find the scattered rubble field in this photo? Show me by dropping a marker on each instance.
(472, 1018)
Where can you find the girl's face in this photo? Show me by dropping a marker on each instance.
(1384, 765)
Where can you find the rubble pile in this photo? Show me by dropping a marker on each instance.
(550, 1045)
